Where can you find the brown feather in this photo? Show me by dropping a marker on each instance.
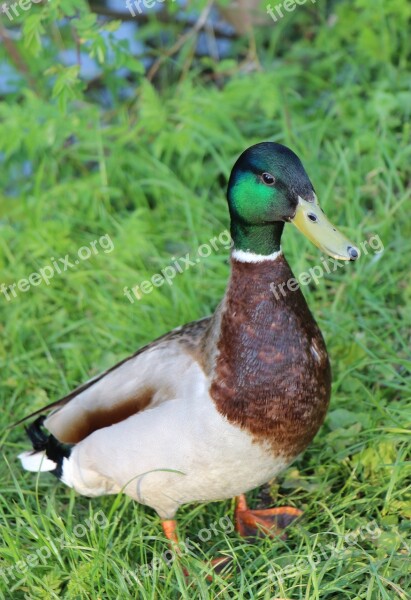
(267, 379)
(105, 416)
(190, 338)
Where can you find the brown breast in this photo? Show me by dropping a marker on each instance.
(272, 374)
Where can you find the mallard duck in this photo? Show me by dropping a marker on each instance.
(219, 406)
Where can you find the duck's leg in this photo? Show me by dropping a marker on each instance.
(170, 531)
(269, 521)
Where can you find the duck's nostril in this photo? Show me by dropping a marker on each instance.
(353, 252)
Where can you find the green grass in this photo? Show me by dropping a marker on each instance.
(151, 173)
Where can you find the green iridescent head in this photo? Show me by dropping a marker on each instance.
(268, 187)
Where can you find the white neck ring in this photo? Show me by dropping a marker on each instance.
(251, 257)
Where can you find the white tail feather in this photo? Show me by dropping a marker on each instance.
(36, 461)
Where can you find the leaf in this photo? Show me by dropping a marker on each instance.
(33, 29)
(68, 85)
(342, 418)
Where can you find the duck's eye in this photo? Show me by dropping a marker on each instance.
(268, 179)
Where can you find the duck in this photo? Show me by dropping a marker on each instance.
(221, 405)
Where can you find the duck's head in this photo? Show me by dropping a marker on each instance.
(268, 187)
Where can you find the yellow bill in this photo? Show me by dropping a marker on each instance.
(312, 222)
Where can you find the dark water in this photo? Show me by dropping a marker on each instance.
(215, 40)
(129, 32)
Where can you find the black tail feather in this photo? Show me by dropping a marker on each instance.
(42, 441)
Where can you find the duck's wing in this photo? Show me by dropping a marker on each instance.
(152, 375)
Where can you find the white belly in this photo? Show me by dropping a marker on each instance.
(181, 451)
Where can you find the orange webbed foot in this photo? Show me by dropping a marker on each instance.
(269, 521)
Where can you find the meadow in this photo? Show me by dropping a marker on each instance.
(125, 173)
